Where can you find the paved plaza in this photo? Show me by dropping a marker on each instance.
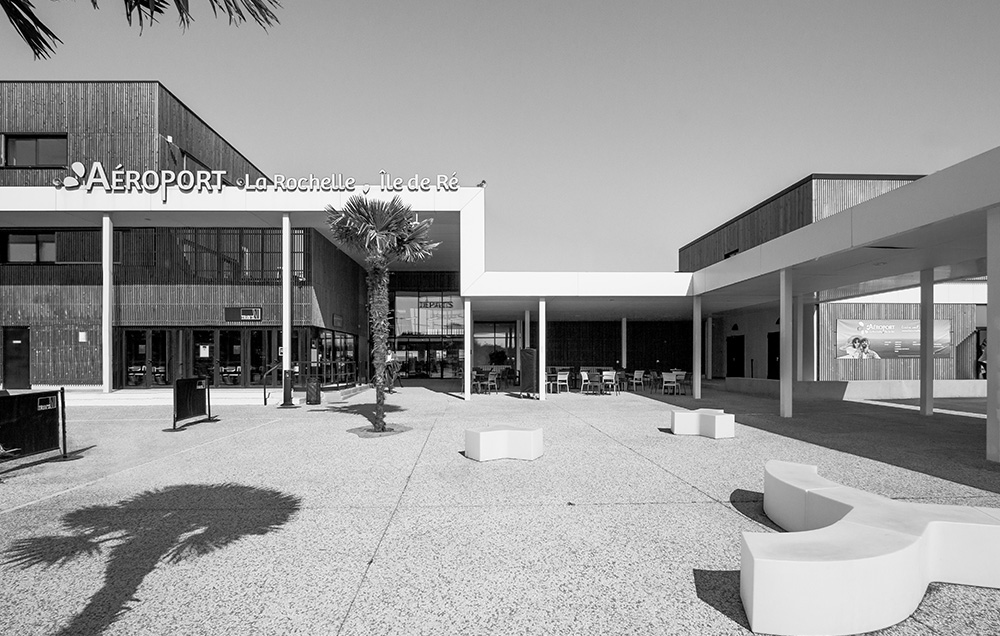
(288, 521)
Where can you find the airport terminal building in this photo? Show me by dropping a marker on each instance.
(137, 246)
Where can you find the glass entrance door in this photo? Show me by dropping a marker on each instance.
(147, 357)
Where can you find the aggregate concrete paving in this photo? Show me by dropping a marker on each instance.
(285, 521)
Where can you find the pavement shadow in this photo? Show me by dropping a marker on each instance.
(721, 590)
(167, 525)
(365, 410)
(750, 504)
(70, 456)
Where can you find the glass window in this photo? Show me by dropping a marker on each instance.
(46, 248)
(22, 248)
(406, 314)
(36, 151)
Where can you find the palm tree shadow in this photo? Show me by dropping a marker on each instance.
(365, 410)
(166, 525)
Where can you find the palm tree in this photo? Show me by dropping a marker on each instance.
(384, 232)
(42, 40)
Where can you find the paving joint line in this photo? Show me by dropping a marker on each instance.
(125, 470)
(385, 530)
(666, 470)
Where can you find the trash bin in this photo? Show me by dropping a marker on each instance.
(313, 394)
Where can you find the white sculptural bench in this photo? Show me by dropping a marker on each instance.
(714, 423)
(503, 442)
(855, 561)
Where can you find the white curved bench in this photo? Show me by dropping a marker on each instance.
(714, 423)
(503, 442)
(855, 561)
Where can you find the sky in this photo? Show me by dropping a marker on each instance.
(610, 134)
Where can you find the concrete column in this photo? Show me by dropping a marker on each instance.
(520, 344)
(467, 368)
(799, 345)
(527, 329)
(696, 338)
(286, 308)
(541, 349)
(107, 300)
(624, 342)
(927, 342)
(708, 348)
(785, 317)
(993, 336)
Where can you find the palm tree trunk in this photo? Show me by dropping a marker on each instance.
(378, 315)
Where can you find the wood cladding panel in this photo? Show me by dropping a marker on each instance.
(779, 215)
(831, 196)
(961, 365)
(111, 122)
(190, 133)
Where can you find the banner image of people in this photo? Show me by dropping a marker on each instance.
(877, 339)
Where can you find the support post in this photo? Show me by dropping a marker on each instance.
(799, 343)
(785, 362)
(708, 348)
(286, 309)
(467, 368)
(927, 342)
(541, 349)
(107, 300)
(624, 362)
(696, 340)
(527, 329)
(993, 329)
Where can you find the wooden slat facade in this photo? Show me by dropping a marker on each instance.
(960, 366)
(115, 123)
(811, 199)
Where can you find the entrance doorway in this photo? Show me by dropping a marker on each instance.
(148, 357)
(734, 356)
(774, 355)
(16, 358)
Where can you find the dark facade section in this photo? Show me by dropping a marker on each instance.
(807, 201)
(139, 125)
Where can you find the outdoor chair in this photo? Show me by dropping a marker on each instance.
(585, 382)
(562, 379)
(638, 379)
(680, 376)
(491, 382)
(609, 380)
(669, 382)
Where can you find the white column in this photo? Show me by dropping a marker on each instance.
(520, 345)
(696, 337)
(527, 329)
(927, 342)
(286, 301)
(799, 343)
(467, 369)
(541, 349)
(785, 363)
(708, 348)
(107, 300)
(624, 342)
(993, 336)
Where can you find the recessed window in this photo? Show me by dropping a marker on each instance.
(36, 151)
(31, 248)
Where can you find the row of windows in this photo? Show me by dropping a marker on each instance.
(31, 248)
(34, 151)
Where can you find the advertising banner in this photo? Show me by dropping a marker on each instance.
(879, 339)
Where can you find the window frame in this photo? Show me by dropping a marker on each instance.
(6, 155)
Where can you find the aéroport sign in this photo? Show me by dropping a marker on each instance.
(119, 180)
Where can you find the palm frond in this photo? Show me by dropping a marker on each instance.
(39, 38)
(383, 231)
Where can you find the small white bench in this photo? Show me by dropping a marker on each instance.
(503, 442)
(714, 423)
(855, 561)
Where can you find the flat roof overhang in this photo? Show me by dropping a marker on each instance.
(936, 223)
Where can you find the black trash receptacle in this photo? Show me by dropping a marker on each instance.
(313, 394)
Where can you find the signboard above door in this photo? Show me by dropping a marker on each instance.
(243, 314)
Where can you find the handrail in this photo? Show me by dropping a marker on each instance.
(267, 373)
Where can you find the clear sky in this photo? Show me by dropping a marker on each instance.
(610, 133)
